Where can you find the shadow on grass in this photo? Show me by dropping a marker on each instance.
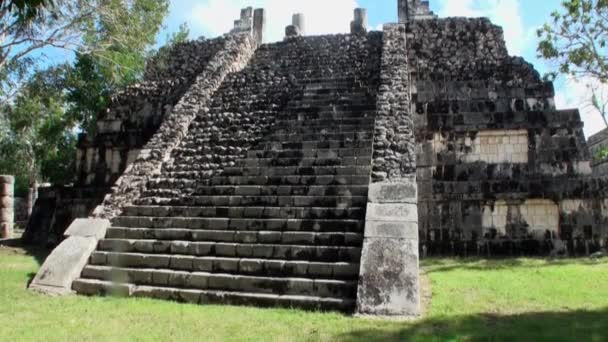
(16, 246)
(543, 326)
(435, 265)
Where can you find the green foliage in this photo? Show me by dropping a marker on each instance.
(576, 42)
(43, 110)
(576, 39)
(126, 31)
(601, 155)
(38, 143)
(25, 10)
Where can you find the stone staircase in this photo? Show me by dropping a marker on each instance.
(268, 211)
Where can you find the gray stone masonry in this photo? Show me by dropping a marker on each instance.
(297, 20)
(414, 10)
(7, 211)
(264, 199)
(259, 25)
(388, 281)
(235, 55)
(359, 24)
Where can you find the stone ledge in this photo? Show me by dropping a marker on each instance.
(63, 266)
(94, 228)
(392, 230)
(399, 191)
(389, 278)
(407, 212)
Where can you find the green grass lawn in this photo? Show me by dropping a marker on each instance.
(512, 300)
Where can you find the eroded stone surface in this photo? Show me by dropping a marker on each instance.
(63, 266)
(389, 281)
(95, 228)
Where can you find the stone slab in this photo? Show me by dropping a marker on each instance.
(398, 191)
(63, 266)
(392, 229)
(95, 228)
(389, 279)
(407, 212)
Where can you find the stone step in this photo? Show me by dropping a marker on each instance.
(234, 250)
(249, 190)
(365, 160)
(327, 129)
(298, 171)
(249, 267)
(235, 224)
(345, 201)
(304, 120)
(224, 282)
(166, 187)
(310, 153)
(320, 136)
(300, 238)
(94, 287)
(330, 180)
(172, 189)
(315, 145)
(247, 212)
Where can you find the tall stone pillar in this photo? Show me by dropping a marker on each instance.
(298, 21)
(359, 24)
(7, 212)
(414, 10)
(403, 6)
(259, 25)
(245, 22)
(388, 281)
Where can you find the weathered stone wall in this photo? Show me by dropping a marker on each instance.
(7, 214)
(56, 208)
(597, 143)
(491, 147)
(389, 281)
(235, 54)
(135, 114)
(131, 119)
(248, 106)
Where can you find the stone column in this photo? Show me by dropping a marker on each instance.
(388, 281)
(298, 21)
(7, 213)
(247, 19)
(359, 25)
(245, 22)
(259, 24)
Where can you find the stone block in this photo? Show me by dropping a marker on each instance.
(95, 228)
(389, 280)
(391, 229)
(407, 212)
(402, 191)
(63, 266)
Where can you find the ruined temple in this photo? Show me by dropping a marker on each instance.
(314, 171)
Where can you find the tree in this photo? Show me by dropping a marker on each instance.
(106, 29)
(576, 42)
(39, 140)
(127, 33)
(111, 39)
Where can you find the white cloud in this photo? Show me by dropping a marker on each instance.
(216, 17)
(505, 13)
